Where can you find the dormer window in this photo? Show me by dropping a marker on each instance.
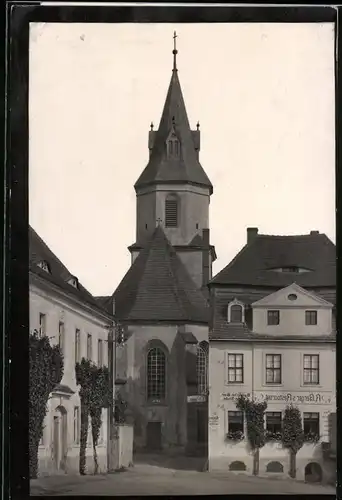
(173, 146)
(44, 265)
(290, 269)
(73, 282)
(236, 312)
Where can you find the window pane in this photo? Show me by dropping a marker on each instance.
(314, 377)
(156, 374)
(269, 361)
(269, 376)
(231, 360)
(277, 376)
(307, 377)
(314, 361)
(239, 375)
(201, 369)
(273, 317)
(238, 360)
(231, 375)
(307, 361)
(235, 416)
(236, 314)
(276, 361)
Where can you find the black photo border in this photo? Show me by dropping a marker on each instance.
(15, 262)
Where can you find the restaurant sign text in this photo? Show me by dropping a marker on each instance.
(284, 397)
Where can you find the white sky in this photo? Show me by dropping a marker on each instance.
(264, 96)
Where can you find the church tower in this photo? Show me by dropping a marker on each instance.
(173, 190)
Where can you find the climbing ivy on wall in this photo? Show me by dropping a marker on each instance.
(255, 414)
(46, 371)
(95, 394)
(292, 435)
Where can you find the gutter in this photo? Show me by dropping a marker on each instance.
(300, 340)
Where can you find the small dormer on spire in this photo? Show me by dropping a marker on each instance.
(174, 52)
(173, 143)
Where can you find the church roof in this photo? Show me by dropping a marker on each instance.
(186, 169)
(157, 287)
(55, 272)
(259, 262)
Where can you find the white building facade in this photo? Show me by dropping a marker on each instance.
(61, 309)
(288, 357)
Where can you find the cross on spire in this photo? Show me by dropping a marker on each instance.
(175, 51)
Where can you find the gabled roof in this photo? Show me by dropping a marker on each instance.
(222, 330)
(157, 287)
(187, 169)
(304, 297)
(57, 273)
(255, 264)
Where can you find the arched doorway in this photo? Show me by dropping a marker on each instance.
(59, 438)
(313, 473)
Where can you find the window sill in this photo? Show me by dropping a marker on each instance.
(271, 384)
(243, 384)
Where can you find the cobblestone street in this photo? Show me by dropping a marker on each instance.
(149, 479)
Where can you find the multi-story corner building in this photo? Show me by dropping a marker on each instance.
(62, 309)
(273, 338)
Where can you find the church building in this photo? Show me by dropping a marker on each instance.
(162, 301)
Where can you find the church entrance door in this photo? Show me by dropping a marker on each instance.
(153, 436)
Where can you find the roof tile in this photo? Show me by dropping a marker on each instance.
(158, 287)
(58, 274)
(254, 263)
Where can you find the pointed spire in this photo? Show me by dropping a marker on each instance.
(174, 52)
(174, 116)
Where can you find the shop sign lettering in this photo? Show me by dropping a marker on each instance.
(231, 396)
(315, 398)
(297, 398)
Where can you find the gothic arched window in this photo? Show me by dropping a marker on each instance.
(236, 313)
(171, 211)
(202, 367)
(156, 373)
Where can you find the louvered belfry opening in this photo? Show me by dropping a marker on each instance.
(171, 211)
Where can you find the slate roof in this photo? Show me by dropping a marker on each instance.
(252, 265)
(63, 388)
(188, 167)
(196, 243)
(157, 287)
(58, 274)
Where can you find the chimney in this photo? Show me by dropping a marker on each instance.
(314, 232)
(205, 257)
(252, 232)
